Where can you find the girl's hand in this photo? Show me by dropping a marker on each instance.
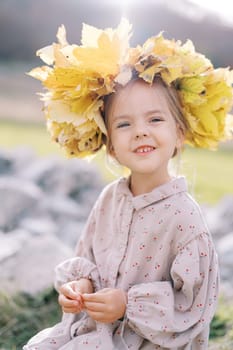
(106, 305)
(70, 297)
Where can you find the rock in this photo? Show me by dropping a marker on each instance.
(31, 269)
(220, 217)
(70, 231)
(57, 214)
(39, 226)
(225, 249)
(21, 157)
(41, 168)
(11, 244)
(6, 164)
(226, 290)
(60, 206)
(85, 184)
(46, 204)
(11, 161)
(18, 197)
(69, 177)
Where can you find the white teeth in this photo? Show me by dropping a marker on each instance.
(144, 149)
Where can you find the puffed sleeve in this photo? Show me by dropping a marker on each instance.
(83, 264)
(172, 313)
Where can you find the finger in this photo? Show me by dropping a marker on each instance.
(93, 297)
(104, 290)
(65, 302)
(92, 306)
(68, 292)
(72, 309)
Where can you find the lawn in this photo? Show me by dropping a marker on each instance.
(209, 173)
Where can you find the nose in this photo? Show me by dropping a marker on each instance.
(141, 131)
(140, 135)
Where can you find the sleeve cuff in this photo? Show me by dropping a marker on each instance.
(75, 268)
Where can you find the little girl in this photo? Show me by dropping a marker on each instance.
(145, 272)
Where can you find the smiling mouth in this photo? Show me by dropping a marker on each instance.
(144, 149)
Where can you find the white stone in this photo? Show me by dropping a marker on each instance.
(17, 196)
(39, 226)
(220, 217)
(11, 243)
(225, 249)
(31, 269)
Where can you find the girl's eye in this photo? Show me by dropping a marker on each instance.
(155, 120)
(122, 125)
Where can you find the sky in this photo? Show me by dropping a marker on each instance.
(181, 19)
(222, 8)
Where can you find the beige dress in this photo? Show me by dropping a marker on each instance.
(158, 249)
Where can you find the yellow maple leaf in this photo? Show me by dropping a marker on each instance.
(102, 51)
(40, 73)
(104, 59)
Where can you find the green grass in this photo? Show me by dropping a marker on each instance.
(221, 331)
(13, 134)
(22, 316)
(209, 173)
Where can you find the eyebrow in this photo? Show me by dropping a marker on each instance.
(124, 116)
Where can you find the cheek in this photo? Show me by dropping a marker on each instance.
(118, 148)
(168, 135)
(115, 139)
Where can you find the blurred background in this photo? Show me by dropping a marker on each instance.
(28, 25)
(44, 198)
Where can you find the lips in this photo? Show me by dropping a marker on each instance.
(144, 149)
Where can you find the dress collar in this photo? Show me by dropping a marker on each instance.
(174, 186)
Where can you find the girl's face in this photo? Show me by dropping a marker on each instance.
(143, 133)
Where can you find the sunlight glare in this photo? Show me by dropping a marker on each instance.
(124, 2)
(223, 8)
